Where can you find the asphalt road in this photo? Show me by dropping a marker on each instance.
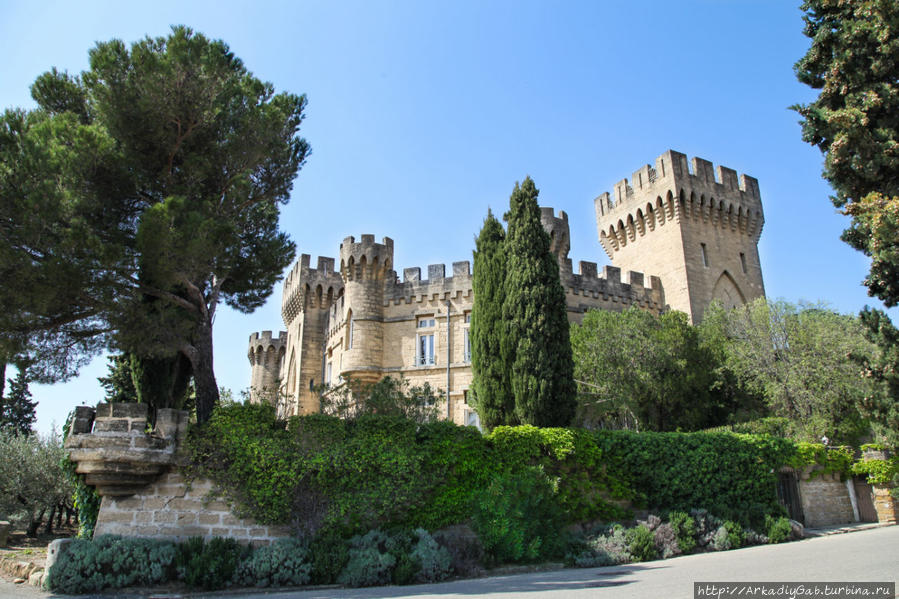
(869, 555)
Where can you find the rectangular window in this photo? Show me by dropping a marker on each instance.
(424, 342)
(424, 353)
(466, 351)
(328, 374)
(743, 262)
(705, 256)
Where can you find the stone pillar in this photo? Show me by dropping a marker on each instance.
(885, 505)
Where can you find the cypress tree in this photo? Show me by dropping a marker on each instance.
(536, 338)
(493, 397)
(17, 410)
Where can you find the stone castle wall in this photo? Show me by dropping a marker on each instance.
(361, 320)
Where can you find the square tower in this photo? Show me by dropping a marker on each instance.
(696, 228)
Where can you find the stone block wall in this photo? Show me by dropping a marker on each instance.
(885, 505)
(825, 500)
(171, 509)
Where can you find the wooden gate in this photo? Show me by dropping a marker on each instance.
(788, 494)
(865, 499)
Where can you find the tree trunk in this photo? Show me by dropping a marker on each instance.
(200, 358)
(2, 377)
(35, 524)
(49, 528)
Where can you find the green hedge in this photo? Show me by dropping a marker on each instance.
(731, 475)
(377, 472)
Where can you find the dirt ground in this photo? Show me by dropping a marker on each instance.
(31, 549)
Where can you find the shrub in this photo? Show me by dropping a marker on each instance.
(684, 529)
(719, 540)
(329, 553)
(434, 561)
(606, 546)
(707, 526)
(778, 530)
(641, 544)
(517, 518)
(464, 548)
(665, 540)
(370, 563)
(735, 535)
(283, 563)
(211, 565)
(111, 561)
(570, 457)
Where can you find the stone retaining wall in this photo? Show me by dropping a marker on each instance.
(825, 500)
(171, 509)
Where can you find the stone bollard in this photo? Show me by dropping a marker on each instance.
(4, 532)
(55, 550)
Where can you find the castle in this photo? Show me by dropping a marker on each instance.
(694, 230)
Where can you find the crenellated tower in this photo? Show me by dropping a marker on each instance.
(309, 293)
(266, 354)
(366, 268)
(694, 226)
(559, 237)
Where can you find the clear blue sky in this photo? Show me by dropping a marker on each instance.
(423, 113)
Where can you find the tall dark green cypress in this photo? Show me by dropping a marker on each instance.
(493, 396)
(536, 338)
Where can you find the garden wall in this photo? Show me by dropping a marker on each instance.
(825, 500)
(172, 509)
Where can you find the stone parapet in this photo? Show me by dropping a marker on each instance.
(114, 450)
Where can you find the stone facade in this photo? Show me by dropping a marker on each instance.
(696, 236)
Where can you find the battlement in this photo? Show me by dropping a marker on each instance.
(610, 286)
(306, 286)
(365, 259)
(414, 288)
(261, 342)
(676, 190)
(673, 173)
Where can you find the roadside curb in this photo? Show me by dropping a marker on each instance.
(824, 531)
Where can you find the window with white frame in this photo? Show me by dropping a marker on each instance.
(424, 341)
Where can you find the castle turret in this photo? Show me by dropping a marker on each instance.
(366, 267)
(309, 294)
(698, 231)
(266, 355)
(559, 238)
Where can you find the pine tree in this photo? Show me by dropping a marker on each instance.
(536, 337)
(493, 396)
(17, 414)
(854, 62)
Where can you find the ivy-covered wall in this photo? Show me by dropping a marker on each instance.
(374, 472)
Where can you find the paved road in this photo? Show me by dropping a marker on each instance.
(870, 555)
